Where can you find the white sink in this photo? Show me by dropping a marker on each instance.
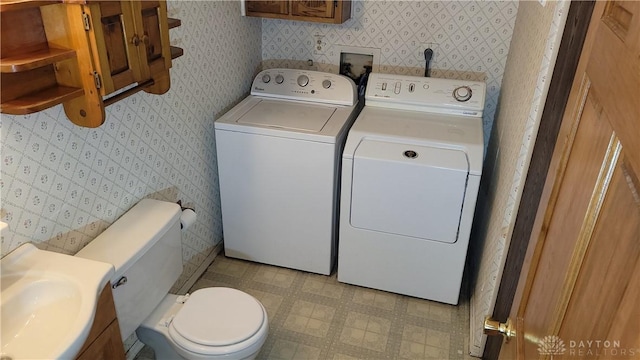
(48, 302)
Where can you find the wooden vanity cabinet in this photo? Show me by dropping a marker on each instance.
(324, 11)
(104, 340)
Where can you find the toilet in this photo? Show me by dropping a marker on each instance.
(145, 248)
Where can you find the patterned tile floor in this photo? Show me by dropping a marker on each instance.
(316, 317)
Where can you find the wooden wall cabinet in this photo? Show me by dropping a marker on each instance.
(130, 42)
(324, 11)
(104, 340)
(77, 52)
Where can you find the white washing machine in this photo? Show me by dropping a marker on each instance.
(410, 175)
(279, 154)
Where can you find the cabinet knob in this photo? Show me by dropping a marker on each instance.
(145, 40)
(135, 40)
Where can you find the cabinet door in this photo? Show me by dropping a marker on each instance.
(108, 345)
(113, 38)
(258, 8)
(150, 18)
(130, 41)
(313, 8)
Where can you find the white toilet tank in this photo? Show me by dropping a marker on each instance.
(145, 247)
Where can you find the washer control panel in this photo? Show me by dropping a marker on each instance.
(458, 97)
(305, 85)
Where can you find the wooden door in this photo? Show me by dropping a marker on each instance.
(314, 8)
(259, 8)
(130, 41)
(154, 52)
(579, 289)
(112, 35)
(150, 19)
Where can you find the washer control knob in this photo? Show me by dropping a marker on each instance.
(326, 84)
(303, 80)
(462, 93)
(279, 79)
(266, 78)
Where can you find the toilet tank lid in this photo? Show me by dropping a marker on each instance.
(129, 237)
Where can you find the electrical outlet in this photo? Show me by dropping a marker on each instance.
(319, 45)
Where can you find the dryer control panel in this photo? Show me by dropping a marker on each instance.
(305, 85)
(456, 97)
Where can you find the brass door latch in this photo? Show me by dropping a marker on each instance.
(494, 327)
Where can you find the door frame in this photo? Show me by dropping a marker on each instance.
(575, 30)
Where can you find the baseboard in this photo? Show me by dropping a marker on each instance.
(134, 350)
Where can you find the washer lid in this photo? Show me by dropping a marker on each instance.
(288, 115)
(218, 317)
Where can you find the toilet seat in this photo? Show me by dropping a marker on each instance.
(218, 321)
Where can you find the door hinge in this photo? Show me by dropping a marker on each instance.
(96, 78)
(86, 21)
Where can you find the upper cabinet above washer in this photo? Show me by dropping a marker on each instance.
(324, 11)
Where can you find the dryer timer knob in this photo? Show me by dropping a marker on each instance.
(326, 84)
(303, 80)
(266, 78)
(462, 93)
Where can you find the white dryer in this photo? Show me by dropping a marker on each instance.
(410, 175)
(279, 153)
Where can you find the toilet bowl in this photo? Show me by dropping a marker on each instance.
(145, 248)
(211, 323)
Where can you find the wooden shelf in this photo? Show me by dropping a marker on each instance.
(174, 23)
(13, 5)
(32, 60)
(49, 57)
(41, 100)
(176, 52)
